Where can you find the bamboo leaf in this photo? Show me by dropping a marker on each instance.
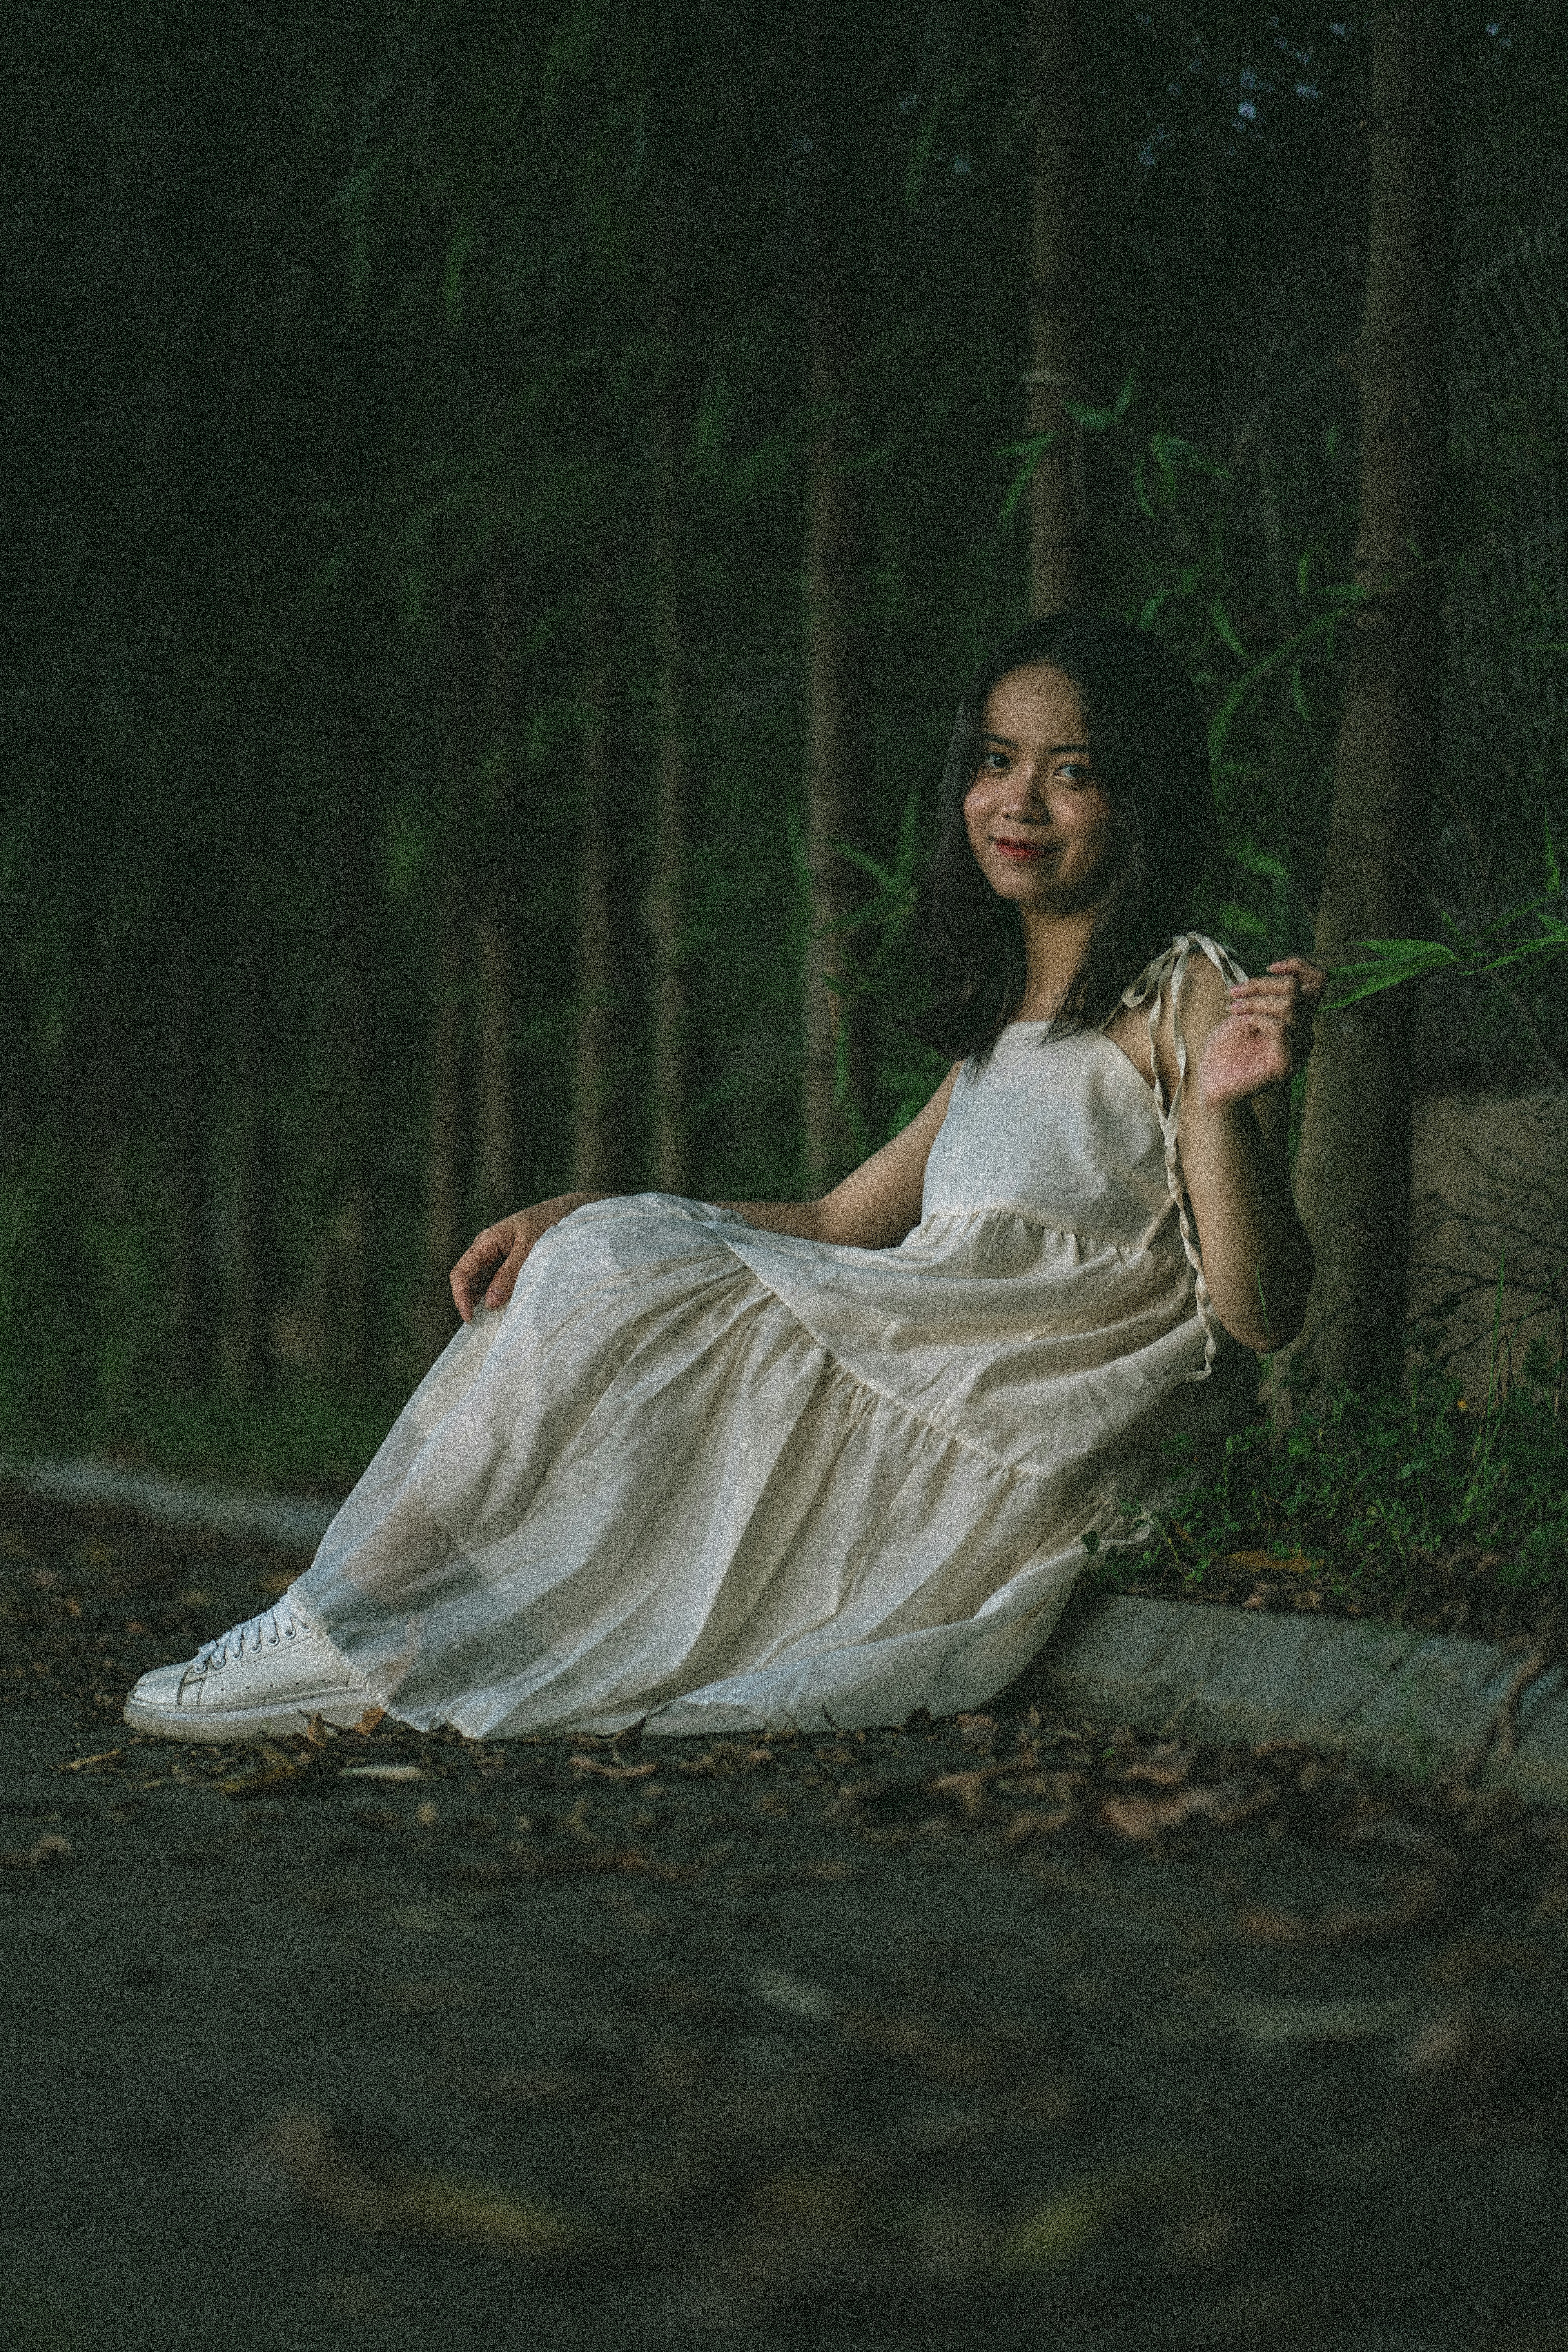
(1031, 452)
(1139, 487)
(1240, 922)
(1415, 952)
(1225, 628)
(1257, 861)
(1093, 420)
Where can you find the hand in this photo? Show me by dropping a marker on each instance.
(1266, 1033)
(496, 1255)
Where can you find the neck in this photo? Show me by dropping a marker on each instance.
(1054, 947)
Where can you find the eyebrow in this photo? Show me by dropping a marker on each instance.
(1053, 750)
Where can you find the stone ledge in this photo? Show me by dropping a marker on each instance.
(289, 1519)
(1422, 1705)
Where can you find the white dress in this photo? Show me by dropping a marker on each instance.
(724, 1480)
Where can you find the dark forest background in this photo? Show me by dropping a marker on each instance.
(500, 503)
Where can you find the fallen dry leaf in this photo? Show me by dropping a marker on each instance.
(1290, 1930)
(1035, 1824)
(978, 1730)
(1050, 2237)
(590, 1764)
(85, 1763)
(968, 1787)
(1165, 1767)
(1232, 1802)
(262, 1783)
(1298, 1564)
(47, 1853)
(363, 2192)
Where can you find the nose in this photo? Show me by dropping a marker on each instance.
(1026, 802)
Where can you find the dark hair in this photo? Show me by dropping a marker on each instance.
(1151, 749)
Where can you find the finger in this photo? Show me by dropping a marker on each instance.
(1273, 1010)
(1312, 976)
(468, 1276)
(1269, 982)
(505, 1281)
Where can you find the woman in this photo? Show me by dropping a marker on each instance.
(824, 1463)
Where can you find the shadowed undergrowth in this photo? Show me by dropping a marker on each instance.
(1416, 1503)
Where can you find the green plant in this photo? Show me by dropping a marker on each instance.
(1494, 947)
(1380, 1488)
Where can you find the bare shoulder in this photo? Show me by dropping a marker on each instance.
(1202, 1009)
(1203, 996)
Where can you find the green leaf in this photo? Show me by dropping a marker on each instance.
(1093, 420)
(1225, 628)
(1257, 861)
(1139, 487)
(1424, 951)
(1240, 922)
(1031, 452)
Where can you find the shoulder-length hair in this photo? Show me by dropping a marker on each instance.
(1149, 744)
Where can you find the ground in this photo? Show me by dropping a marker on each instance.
(1004, 2031)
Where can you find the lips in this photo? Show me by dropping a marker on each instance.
(1022, 852)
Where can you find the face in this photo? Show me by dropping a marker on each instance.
(1042, 829)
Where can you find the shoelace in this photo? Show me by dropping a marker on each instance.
(273, 1626)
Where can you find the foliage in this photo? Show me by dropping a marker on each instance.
(328, 310)
(1497, 946)
(1372, 1491)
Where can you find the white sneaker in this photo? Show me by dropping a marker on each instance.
(264, 1679)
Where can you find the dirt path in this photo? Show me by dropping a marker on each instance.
(1007, 2031)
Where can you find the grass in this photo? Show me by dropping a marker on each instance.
(299, 1439)
(1413, 1505)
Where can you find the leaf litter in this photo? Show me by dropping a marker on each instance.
(1060, 1805)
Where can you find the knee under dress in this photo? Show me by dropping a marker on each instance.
(718, 1479)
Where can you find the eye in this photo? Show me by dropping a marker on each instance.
(992, 763)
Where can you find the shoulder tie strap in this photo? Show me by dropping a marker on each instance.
(1150, 983)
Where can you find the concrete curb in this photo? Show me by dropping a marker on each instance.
(1421, 1704)
(279, 1518)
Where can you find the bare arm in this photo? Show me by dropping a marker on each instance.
(874, 1208)
(879, 1202)
(1243, 1045)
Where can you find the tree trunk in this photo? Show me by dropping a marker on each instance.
(667, 902)
(601, 1121)
(496, 1170)
(833, 1129)
(1060, 216)
(348, 1298)
(190, 1264)
(1352, 1173)
(245, 1349)
(437, 1317)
